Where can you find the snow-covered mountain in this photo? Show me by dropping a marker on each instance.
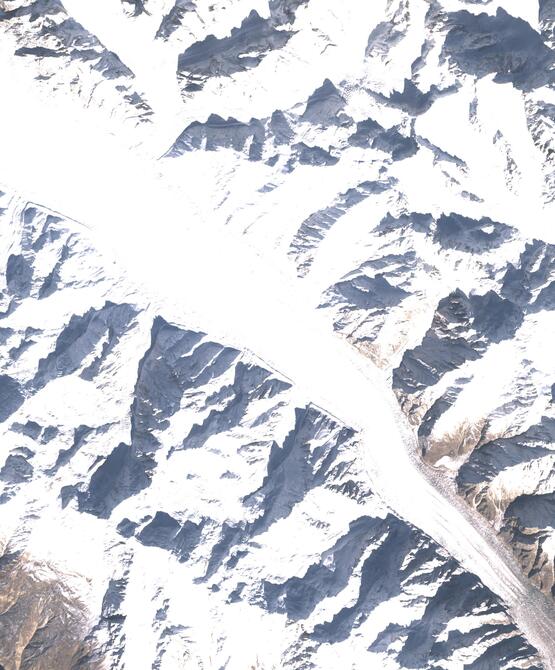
(206, 513)
(287, 398)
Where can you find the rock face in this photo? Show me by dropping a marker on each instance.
(44, 625)
(167, 499)
(230, 54)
